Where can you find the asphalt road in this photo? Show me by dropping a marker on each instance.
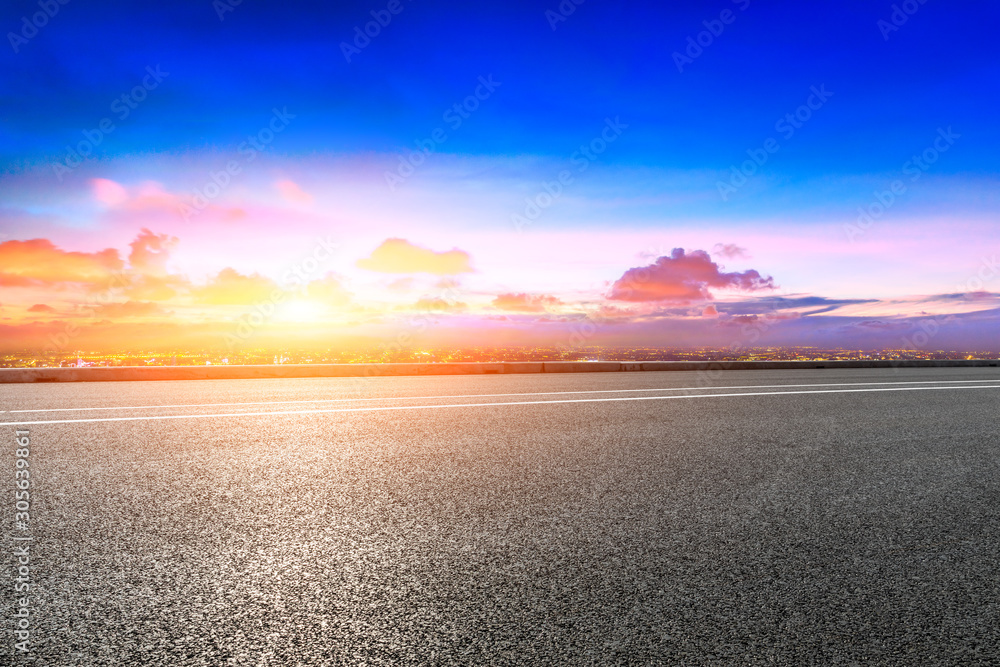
(768, 517)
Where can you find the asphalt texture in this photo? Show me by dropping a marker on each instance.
(773, 527)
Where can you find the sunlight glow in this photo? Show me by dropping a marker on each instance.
(300, 310)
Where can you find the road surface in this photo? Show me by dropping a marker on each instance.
(767, 517)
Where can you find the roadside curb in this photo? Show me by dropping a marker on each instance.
(148, 373)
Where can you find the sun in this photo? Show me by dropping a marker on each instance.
(300, 310)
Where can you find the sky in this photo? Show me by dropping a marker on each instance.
(412, 174)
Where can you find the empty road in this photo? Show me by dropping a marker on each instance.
(764, 517)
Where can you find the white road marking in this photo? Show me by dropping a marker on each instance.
(529, 393)
(386, 408)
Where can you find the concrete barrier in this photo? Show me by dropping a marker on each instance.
(523, 367)
(132, 373)
(582, 367)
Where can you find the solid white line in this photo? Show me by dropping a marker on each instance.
(529, 393)
(386, 408)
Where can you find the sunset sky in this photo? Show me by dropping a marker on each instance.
(503, 173)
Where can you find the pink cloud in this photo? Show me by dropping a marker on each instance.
(401, 285)
(683, 277)
(109, 192)
(149, 204)
(147, 196)
(292, 193)
(730, 251)
(150, 252)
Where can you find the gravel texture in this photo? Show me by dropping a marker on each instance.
(834, 529)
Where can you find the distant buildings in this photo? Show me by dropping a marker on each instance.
(480, 354)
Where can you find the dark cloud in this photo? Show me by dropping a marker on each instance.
(961, 296)
(814, 304)
(877, 325)
(730, 251)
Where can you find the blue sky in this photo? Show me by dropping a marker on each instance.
(606, 59)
